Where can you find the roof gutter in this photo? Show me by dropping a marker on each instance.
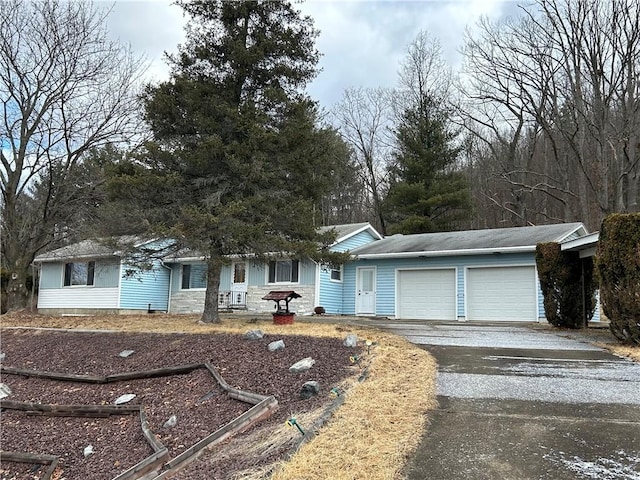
(449, 253)
(74, 257)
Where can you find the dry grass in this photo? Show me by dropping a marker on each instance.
(380, 423)
(627, 351)
(370, 436)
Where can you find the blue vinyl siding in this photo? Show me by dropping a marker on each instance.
(349, 288)
(386, 277)
(146, 289)
(330, 293)
(357, 240)
(106, 275)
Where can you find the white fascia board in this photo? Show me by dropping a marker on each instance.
(579, 227)
(364, 228)
(184, 259)
(449, 253)
(201, 258)
(582, 242)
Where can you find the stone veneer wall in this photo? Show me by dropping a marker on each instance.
(187, 301)
(301, 306)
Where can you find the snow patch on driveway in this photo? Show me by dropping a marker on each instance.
(583, 369)
(545, 389)
(626, 466)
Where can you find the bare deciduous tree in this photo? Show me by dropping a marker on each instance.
(65, 88)
(424, 73)
(554, 94)
(363, 117)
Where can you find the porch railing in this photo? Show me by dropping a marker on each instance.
(231, 299)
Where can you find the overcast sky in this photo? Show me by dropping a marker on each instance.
(362, 41)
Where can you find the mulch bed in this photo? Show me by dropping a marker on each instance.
(195, 398)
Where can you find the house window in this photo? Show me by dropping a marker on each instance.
(79, 273)
(336, 274)
(194, 276)
(284, 271)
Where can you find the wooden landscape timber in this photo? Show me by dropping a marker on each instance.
(156, 466)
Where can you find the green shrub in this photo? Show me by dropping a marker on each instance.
(618, 267)
(560, 274)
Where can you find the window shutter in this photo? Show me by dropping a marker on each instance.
(272, 272)
(295, 268)
(68, 267)
(186, 277)
(91, 268)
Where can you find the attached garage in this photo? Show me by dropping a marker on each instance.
(426, 294)
(502, 294)
(475, 275)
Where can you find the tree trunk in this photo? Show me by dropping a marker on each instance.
(214, 268)
(17, 293)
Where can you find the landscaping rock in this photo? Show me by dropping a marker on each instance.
(309, 389)
(277, 345)
(303, 365)
(126, 353)
(124, 398)
(2, 355)
(5, 391)
(88, 450)
(171, 422)
(254, 335)
(351, 340)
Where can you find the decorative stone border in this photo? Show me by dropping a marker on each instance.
(156, 465)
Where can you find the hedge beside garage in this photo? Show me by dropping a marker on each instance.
(618, 269)
(567, 284)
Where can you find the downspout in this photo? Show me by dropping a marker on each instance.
(317, 292)
(162, 264)
(33, 286)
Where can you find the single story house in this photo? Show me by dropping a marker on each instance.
(476, 275)
(90, 277)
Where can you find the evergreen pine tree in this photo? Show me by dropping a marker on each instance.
(427, 192)
(235, 138)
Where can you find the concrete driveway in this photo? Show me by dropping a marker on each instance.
(520, 403)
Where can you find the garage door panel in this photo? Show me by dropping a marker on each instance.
(427, 294)
(502, 294)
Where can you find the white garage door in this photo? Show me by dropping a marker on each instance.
(427, 294)
(502, 293)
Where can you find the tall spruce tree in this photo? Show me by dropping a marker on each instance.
(235, 138)
(427, 192)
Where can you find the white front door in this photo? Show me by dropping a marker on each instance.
(366, 291)
(238, 283)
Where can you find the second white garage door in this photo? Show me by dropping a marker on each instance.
(502, 293)
(427, 294)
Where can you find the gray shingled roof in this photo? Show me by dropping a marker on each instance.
(84, 249)
(469, 241)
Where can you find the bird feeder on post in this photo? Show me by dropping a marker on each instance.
(282, 316)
